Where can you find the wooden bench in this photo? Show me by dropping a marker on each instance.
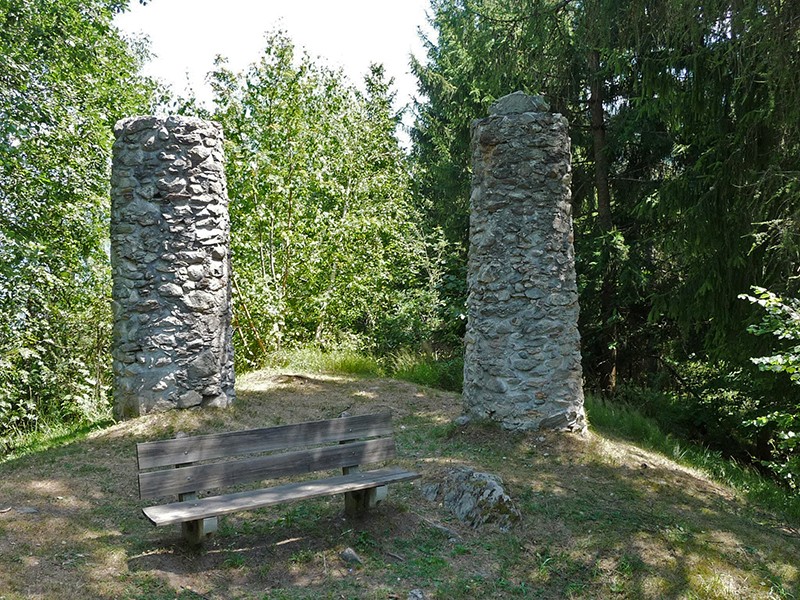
(188, 465)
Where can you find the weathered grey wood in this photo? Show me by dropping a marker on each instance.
(223, 474)
(355, 503)
(198, 517)
(360, 501)
(196, 532)
(178, 512)
(165, 453)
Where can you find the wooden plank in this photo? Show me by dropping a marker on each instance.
(210, 476)
(178, 512)
(209, 447)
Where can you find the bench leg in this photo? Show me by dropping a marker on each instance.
(195, 532)
(357, 503)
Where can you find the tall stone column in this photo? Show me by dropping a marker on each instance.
(522, 363)
(170, 261)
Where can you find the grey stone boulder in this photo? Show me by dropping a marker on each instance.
(475, 498)
(518, 102)
(349, 556)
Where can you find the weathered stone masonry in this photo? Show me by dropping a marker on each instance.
(522, 362)
(170, 262)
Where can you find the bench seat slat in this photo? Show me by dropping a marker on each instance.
(165, 453)
(177, 512)
(215, 475)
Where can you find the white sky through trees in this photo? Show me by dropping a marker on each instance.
(186, 35)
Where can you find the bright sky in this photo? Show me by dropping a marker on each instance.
(186, 35)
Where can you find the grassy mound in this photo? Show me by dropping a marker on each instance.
(601, 517)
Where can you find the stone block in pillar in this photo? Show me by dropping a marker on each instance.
(170, 261)
(522, 363)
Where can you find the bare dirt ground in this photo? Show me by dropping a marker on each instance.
(601, 518)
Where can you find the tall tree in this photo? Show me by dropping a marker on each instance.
(325, 240)
(684, 144)
(67, 76)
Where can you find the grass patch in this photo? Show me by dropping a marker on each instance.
(428, 369)
(233, 560)
(47, 436)
(626, 422)
(618, 419)
(602, 517)
(315, 360)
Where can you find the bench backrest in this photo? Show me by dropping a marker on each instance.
(266, 453)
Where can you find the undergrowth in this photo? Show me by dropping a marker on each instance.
(429, 368)
(345, 362)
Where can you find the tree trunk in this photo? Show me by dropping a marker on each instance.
(608, 290)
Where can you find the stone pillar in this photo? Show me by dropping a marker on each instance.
(170, 261)
(522, 363)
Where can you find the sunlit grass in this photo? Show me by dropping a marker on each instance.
(614, 419)
(594, 523)
(48, 435)
(626, 422)
(610, 418)
(344, 362)
(427, 369)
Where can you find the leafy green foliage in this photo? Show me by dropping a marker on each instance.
(684, 181)
(781, 319)
(325, 239)
(700, 137)
(67, 77)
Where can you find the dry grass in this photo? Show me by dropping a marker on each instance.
(601, 518)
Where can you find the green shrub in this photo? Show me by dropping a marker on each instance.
(781, 319)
